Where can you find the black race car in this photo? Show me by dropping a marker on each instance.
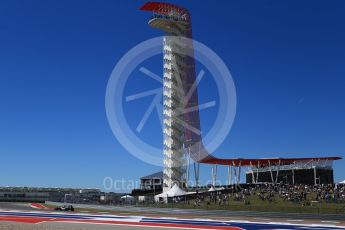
(65, 208)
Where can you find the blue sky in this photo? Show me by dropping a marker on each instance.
(286, 57)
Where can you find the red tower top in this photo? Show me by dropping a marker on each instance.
(166, 9)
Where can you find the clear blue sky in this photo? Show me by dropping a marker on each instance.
(286, 57)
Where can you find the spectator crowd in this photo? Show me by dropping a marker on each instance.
(305, 195)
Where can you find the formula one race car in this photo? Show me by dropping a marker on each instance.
(65, 208)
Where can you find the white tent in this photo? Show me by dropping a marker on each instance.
(212, 189)
(127, 197)
(341, 182)
(174, 191)
(141, 198)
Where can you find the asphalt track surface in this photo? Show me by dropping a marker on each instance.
(16, 206)
(210, 213)
(22, 216)
(66, 226)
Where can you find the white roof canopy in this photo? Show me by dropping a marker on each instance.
(174, 191)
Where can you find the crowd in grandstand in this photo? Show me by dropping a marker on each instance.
(303, 194)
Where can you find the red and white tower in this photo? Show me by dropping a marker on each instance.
(178, 78)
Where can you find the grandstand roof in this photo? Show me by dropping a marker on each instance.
(263, 161)
(153, 176)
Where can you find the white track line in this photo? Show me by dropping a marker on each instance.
(295, 220)
(330, 221)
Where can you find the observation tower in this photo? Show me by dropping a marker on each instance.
(178, 79)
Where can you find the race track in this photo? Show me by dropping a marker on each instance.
(30, 216)
(56, 220)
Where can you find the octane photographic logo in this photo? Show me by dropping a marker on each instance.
(116, 98)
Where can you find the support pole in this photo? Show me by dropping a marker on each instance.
(293, 176)
(269, 165)
(315, 182)
(257, 172)
(239, 173)
(196, 173)
(253, 175)
(188, 164)
(277, 174)
(229, 174)
(214, 175)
